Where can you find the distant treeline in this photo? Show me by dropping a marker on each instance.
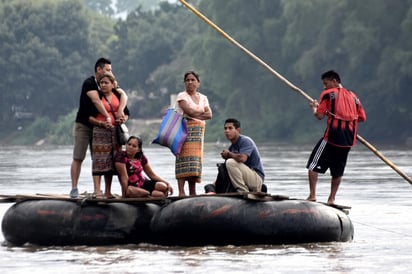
(49, 47)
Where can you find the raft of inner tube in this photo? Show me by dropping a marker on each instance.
(225, 220)
(60, 222)
(192, 221)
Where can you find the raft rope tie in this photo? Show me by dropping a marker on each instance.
(383, 229)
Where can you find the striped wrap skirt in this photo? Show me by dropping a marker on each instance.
(189, 161)
(104, 148)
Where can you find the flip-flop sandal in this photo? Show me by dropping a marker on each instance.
(98, 196)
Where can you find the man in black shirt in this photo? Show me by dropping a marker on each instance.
(90, 105)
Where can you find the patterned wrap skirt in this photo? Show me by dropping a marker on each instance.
(189, 161)
(104, 147)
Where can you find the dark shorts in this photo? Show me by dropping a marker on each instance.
(148, 185)
(325, 155)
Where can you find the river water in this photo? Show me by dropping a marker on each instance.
(381, 212)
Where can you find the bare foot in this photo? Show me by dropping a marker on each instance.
(109, 196)
(331, 202)
(98, 195)
(312, 199)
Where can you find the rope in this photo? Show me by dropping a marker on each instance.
(383, 229)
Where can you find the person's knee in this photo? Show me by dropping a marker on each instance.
(231, 163)
(161, 186)
(231, 166)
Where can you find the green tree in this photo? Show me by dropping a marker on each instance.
(148, 42)
(247, 90)
(48, 48)
(308, 38)
(129, 5)
(40, 62)
(102, 6)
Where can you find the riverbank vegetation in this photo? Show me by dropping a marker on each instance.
(49, 47)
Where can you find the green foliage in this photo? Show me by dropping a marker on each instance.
(42, 56)
(33, 133)
(61, 131)
(147, 46)
(103, 6)
(49, 47)
(307, 38)
(129, 5)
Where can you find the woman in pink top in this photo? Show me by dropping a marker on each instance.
(195, 107)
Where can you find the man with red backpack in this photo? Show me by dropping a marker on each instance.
(344, 110)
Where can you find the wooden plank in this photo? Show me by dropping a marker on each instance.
(258, 196)
(7, 198)
(57, 196)
(90, 198)
(85, 197)
(82, 199)
(336, 206)
(230, 194)
(23, 197)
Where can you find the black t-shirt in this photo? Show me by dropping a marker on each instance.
(86, 106)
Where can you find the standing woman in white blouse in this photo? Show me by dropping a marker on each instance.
(195, 107)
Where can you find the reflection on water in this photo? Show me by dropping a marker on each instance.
(380, 200)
